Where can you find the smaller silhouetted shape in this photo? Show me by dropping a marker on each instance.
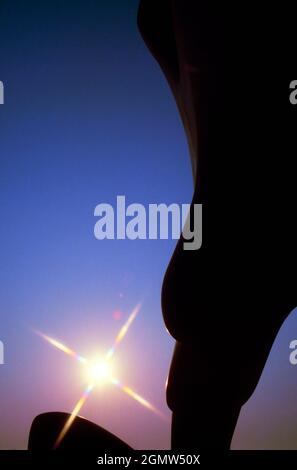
(82, 434)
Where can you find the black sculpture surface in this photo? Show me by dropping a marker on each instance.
(229, 68)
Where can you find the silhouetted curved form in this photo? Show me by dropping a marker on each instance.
(229, 68)
(82, 435)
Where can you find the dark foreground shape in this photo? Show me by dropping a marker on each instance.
(229, 69)
(82, 434)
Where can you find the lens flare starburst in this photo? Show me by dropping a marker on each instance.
(100, 372)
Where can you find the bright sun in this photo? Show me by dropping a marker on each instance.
(99, 372)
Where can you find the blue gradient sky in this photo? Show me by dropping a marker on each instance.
(89, 116)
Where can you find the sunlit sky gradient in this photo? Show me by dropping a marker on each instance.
(89, 116)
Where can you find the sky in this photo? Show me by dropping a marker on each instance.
(88, 116)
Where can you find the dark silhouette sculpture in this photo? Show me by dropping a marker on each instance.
(229, 68)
